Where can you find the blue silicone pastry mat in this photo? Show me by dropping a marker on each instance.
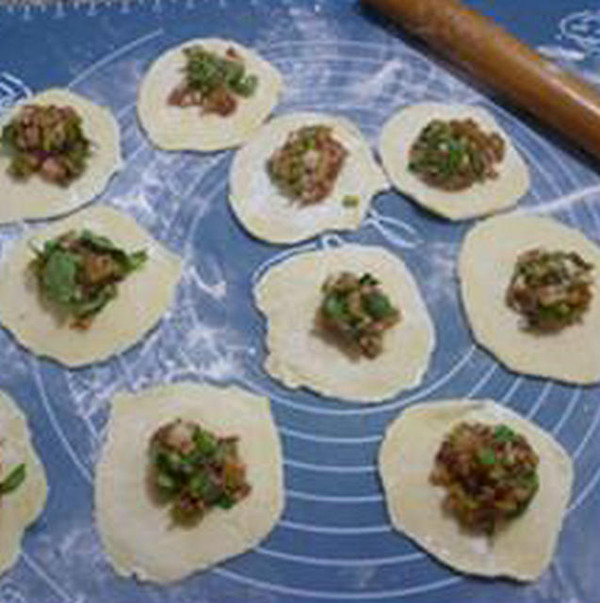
(334, 542)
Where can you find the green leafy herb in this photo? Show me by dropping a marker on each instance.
(60, 276)
(14, 479)
(80, 272)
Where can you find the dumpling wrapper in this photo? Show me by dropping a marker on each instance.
(289, 296)
(265, 212)
(487, 260)
(35, 198)
(142, 298)
(521, 550)
(184, 128)
(22, 507)
(139, 536)
(491, 196)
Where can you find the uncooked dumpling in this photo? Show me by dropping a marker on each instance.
(36, 198)
(139, 536)
(265, 212)
(177, 129)
(289, 296)
(524, 547)
(19, 508)
(486, 265)
(143, 297)
(488, 197)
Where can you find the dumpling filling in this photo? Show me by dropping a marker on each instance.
(489, 473)
(356, 312)
(213, 83)
(47, 140)
(550, 289)
(307, 166)
(195, 470)
(454, 155)
(80, 273)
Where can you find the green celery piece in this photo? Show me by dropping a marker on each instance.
(502, 433)
(247, 86)
(199, 484)
(378, 305)
(59, 276)
(226, 501)
(335, 307)
(14, 479)
(487, 456)
(165, 482)
(136, 260)
(206, 444)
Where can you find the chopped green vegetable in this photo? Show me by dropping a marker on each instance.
(489, 472)
(80, 272)
(487, 456)
(550, 289)
(453, 155)
(351, 201)
(14, 479)
(357, 312)
(502, 433)
(196, 470)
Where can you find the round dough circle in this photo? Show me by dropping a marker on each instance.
(521, 550)
(290, 294)
(486, 264)
(269, 215)
(36, 198)
(143, 296)
(180, 129)
(23, 506)
(397, 138)
(139, 536)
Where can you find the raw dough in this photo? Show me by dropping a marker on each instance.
(139, 537)
(269, 215)
(401, 131)
(143, 296)
(21, 507)
(35, 198)
(486, 265)
(178, 129)
(289, 295)
(524, 548)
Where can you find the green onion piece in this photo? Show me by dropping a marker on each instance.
(14, 479)
(351, 201)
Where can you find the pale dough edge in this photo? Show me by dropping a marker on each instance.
(524, 550)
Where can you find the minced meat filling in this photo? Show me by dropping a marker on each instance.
(80, 272)
(550, 289)
(212, 82)
(489, 472)
(453, 155)
(357, 312)
(196, 470)
(47, 140)
(306, 167)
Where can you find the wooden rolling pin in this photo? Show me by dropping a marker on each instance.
(556, 97)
